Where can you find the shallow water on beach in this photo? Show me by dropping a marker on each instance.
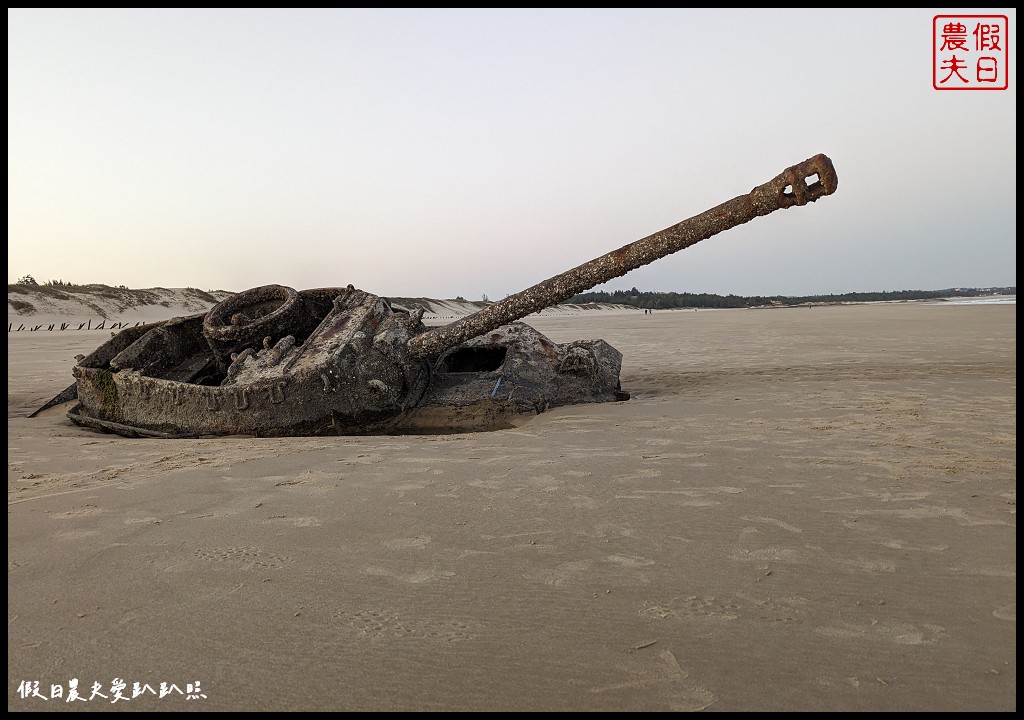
(1001, 300)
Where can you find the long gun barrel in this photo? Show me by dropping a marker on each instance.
(797, 185)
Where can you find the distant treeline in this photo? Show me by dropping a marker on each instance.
(665, 300)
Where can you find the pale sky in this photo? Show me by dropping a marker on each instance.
(469, 152)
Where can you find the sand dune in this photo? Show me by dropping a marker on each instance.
(88, 307)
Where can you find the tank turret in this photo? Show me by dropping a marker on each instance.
(274, 361)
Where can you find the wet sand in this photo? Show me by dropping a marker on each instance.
(799, 509)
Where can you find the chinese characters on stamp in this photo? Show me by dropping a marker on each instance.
(969, 52)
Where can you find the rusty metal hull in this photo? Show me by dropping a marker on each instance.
(327, 367)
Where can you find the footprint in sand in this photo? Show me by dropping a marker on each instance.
(565, 574)
(690, 607)
(661, 673)
(904, 545)
(413, 543)
(1006, 612)
(297, 521)
(898, 633)
(246, 557)
(381, 624)
(413, 578)
(489, 484)
(628, 561)
(74, 535)
(77, 512)
(773, 521)
(402, 490)
(877, 566)
(759, 554)
(766, 554)
(544, 482)
(143, 521)
(582, 502)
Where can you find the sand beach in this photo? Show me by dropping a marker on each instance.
(798, 509)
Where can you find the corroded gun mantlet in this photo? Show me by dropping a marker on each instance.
(273, 361)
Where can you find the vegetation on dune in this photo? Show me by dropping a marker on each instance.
(103, 299)
(21, 307)
(666, 300)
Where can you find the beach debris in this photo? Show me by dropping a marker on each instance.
(274, 361)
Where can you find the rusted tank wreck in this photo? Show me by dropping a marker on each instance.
(273, 361)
